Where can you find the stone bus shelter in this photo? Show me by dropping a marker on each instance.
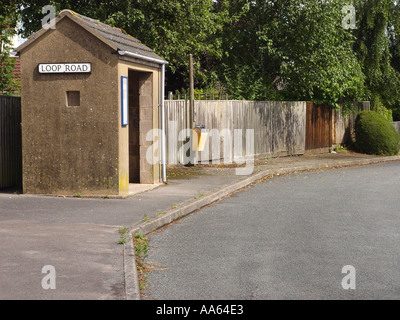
(91, 94)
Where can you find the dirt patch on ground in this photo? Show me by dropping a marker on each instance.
(178, 172)
(182, 172)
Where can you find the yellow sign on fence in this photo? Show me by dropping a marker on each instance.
(199, 139)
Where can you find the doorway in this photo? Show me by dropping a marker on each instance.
(140, 91)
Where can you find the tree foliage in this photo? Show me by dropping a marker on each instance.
(262, 50)
(8, 23)
(172, 28)
(299, 46)
(378, 26)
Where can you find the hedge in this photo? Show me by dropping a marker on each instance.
(376, 135)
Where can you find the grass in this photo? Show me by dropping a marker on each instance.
(123, 231)
(141, 244)
(339, 148)
(141, 247)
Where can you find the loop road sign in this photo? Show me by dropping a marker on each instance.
(65, 67)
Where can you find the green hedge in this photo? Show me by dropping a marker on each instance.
(376, 135)
(387, 113)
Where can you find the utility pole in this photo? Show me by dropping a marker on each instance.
(191, 110)
(191, 92)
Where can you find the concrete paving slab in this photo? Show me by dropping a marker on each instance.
(136, 188)
(86, 257)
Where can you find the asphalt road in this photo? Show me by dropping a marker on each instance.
(287, 238)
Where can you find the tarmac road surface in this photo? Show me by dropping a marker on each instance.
(288, 237)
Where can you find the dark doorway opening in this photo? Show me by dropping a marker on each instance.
(140, 92)
(134, 133)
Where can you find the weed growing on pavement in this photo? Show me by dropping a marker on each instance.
(141, 244)
(338, 148)
(123, 231)
(160, 213)
(145, 218)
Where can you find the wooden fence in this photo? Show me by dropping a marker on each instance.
(344, 123)
(318, 127)
(278, 127)
(10, 142)
(396, 125)
(198, 96)
(326, 126)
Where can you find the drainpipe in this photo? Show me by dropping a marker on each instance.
(162, 93)
(163, 137)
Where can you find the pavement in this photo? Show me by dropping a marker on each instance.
(79, 236)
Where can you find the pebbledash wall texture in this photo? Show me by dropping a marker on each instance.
(73, 141)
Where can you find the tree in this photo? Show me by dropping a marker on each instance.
(172, 28)
(262, 50)
(300, 46)
(8, 22)
(374, 29)
(394, 48)
(319, 63)
(394, 34)
(250, 62)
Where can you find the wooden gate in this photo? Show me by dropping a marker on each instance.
(10, 142)
(319, 126)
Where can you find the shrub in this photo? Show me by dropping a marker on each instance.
(376, 135)
(385, 112)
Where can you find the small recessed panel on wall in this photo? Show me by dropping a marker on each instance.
(124, 101)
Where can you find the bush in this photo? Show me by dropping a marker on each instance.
(376, 135)
(385, 112)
